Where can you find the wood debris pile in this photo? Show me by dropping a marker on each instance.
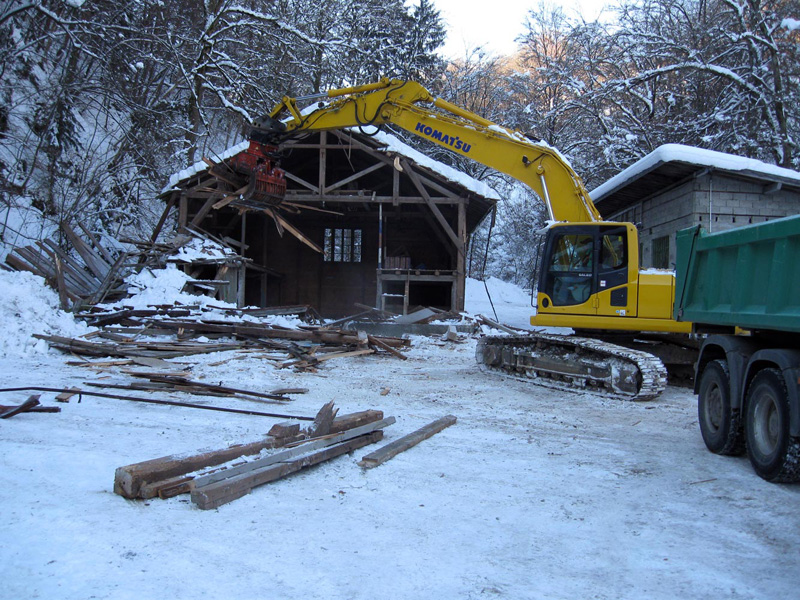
(172, 331)
(92, 273)
(216, 477)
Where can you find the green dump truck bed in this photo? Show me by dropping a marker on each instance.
(747, 277)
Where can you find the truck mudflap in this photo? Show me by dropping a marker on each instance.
(575, 363)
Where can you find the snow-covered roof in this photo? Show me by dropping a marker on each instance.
(394, 144)
(391, 143)
(200, 166)
(700, 158)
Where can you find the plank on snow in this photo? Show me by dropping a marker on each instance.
(381, 455)
(227, 490)
(128, 480)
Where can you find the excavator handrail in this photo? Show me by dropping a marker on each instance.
(401, 103)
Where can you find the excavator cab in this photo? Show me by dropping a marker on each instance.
(589, 278)
(583, 265)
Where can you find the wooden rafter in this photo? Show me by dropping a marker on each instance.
(353, 177)
(434, 209)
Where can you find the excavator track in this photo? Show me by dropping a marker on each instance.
(570, 362)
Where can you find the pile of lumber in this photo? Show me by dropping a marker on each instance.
(216, 477)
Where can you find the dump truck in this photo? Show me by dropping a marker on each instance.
(742, 289)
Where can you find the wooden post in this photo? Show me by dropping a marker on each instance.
(163, 219)
(461, 261)
(183, 212)
(323, 154)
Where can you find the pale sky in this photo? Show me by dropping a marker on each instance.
(495, 24)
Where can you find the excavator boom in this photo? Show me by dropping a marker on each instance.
(405, 104)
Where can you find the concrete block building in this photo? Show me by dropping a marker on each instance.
(677, 186)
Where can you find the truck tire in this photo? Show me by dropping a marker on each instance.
(773, 452)
(720, 425)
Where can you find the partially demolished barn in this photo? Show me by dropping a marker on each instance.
(365, 220)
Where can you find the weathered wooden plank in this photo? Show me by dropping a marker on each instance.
(32, 409)
(383, 346)
(93, 260)
(318, 335)
(227, 490)
(293, 230)
(103, 252)
(183, 484)
(300, 449)
(63, 297)
(394, 448)
(282, 430)
(129, 479)
(65, 396)
(356, 419)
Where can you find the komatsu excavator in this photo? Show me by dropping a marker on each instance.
(589, 278)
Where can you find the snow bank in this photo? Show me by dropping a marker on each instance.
(790, 24)
(510, 303)
(28, 306)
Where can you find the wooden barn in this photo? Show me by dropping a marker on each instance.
(365, 220)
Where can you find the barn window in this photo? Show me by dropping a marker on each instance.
(342, 245)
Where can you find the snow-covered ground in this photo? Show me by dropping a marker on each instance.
(534, 493)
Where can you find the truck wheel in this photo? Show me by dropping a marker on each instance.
(774, 454)
(719, 423)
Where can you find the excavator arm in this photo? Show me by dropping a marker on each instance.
(410, 106)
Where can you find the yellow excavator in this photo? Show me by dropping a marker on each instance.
(589, 278)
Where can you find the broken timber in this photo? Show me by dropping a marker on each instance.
(29, 404)
(381, 455)
(227, 490)
(147, 479)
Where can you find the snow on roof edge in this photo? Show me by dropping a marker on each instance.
(691, 155)
(392, 144)
(200, 166)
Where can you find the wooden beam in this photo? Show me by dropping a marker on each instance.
(389, 160)
(296, 449)
(303, 182)
(129, 479)
(353, 177)
(299, 196)
(96, 263)
(163, 219)
(204, 210)
(293, 230)
(227, 490)
(391, 450)
(88, 232)
(461, 261)
(434, 209)
(183, 212)
(323, 156)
